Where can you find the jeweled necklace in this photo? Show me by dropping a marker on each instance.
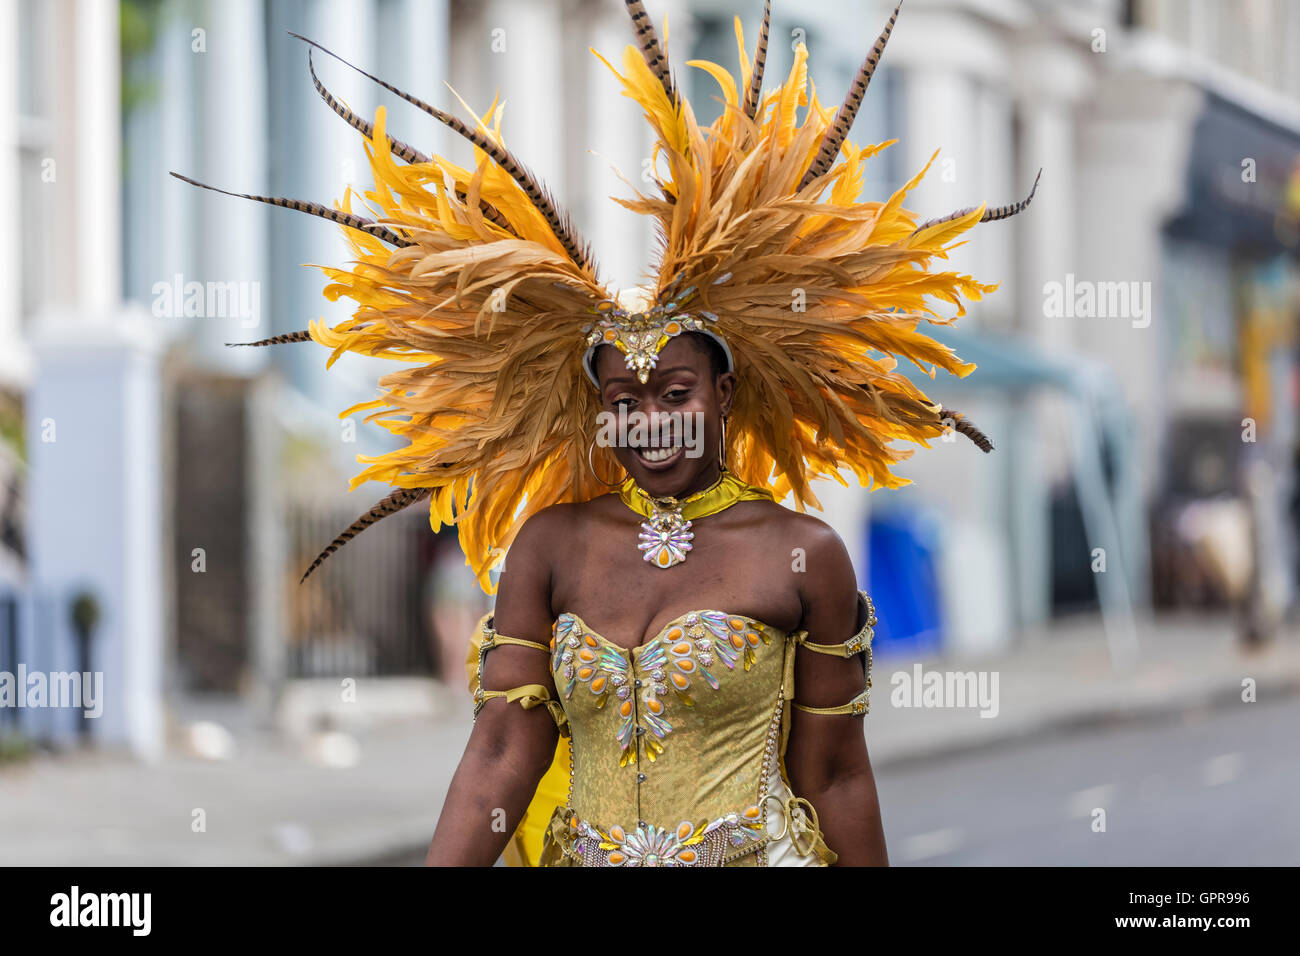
(666, 533)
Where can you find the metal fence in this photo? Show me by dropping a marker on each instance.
(361, 613)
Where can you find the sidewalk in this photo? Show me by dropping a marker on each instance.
(371, 791)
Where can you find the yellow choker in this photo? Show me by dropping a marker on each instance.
(666, 533)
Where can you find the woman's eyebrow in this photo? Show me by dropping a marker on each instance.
(628, 379)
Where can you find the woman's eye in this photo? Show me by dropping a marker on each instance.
(677, 394)
(621, 401)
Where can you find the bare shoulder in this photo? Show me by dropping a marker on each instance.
(551, 529)
(802, 530)
(553, 519)
(524, 594)
(826, 580)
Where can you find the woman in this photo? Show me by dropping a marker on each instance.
(703, 648)
(745, 561)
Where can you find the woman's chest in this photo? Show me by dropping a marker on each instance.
(706, 672)
(630, 601)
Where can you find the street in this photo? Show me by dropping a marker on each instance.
(1205, 788)
(1212, 788)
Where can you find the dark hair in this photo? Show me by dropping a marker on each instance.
(710, 346)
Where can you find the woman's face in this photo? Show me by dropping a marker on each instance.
(671, 447)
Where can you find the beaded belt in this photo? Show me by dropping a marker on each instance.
(713, 843)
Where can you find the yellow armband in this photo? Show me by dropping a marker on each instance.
(859, 643)
(527, 696)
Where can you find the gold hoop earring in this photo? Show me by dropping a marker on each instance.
(592, 465)
(722, 451)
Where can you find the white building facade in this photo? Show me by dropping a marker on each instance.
(1134, 110)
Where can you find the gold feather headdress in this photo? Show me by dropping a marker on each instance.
(480, 284)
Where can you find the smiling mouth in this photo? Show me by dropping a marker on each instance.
(657, 454)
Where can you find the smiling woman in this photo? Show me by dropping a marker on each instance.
(689, 657)
(656, 437)
(684, 387)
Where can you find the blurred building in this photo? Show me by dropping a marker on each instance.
(1223, 173)
(1135, 365)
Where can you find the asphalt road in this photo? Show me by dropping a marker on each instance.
(1213, 787)
(1203, 788)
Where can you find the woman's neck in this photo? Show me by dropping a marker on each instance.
(704, 480)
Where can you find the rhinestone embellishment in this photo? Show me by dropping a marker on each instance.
(666, 536)
(671, 664)
(687, 844)
(640, 335)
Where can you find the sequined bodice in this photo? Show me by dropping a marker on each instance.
(683, 727)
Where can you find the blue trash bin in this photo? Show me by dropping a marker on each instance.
(903, 584)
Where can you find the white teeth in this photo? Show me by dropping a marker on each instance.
(657, 454)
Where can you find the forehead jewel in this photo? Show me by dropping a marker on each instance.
(639, 326)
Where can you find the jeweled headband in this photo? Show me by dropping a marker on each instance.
(640, 332)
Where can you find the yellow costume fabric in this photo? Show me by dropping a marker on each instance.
(677, 748)
(728, 490)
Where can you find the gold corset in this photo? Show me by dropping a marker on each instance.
(683, 729)
(676, 746)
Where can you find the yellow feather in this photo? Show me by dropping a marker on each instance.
(746, 71)
(487, 396)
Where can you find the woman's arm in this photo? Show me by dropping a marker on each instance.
(826, 757)
(510, 748)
